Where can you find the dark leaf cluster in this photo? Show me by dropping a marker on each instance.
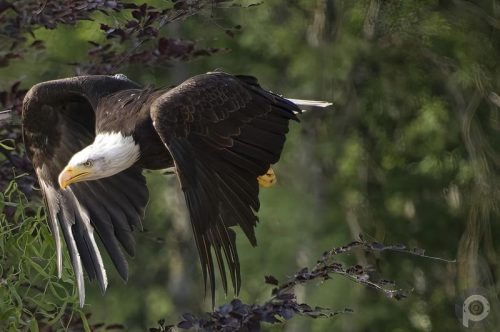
(283, 305)
(108, 58)
(139, 39)
(134, 38)
(20, 19)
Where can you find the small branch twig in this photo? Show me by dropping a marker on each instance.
(283, 305)
(5, 116)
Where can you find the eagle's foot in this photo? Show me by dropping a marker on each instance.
(267, 180)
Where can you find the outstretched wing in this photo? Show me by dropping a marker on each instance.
(58, 121)
(223, 132)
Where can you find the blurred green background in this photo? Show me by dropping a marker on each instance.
(408, 154)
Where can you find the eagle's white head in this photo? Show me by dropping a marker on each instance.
(109, 154)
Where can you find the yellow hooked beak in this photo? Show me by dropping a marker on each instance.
(71, 175)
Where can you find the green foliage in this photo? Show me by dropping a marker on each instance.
(31, 295)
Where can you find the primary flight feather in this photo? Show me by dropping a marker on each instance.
(90, 137)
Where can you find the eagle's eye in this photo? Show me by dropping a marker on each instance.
(88, 163)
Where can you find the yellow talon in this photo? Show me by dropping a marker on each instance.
(267, 180)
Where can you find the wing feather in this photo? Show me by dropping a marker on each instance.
(75, 259)
(223, 132)
(83, 233)
(58, 121)
(51, 198)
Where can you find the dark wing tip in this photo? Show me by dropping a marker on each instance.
(223, 132)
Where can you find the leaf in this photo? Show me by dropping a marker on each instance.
(38, 44)
(11, 147)
(186, 325)
(137, 14)
(271, 280)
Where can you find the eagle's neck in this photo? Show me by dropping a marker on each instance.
(118, 152)
(121, 151)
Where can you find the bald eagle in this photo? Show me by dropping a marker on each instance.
(90, 137)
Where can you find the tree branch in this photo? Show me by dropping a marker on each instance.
(283, 305)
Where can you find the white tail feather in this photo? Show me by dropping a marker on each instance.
(309, 103)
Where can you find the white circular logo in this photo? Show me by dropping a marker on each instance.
(475, 308)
